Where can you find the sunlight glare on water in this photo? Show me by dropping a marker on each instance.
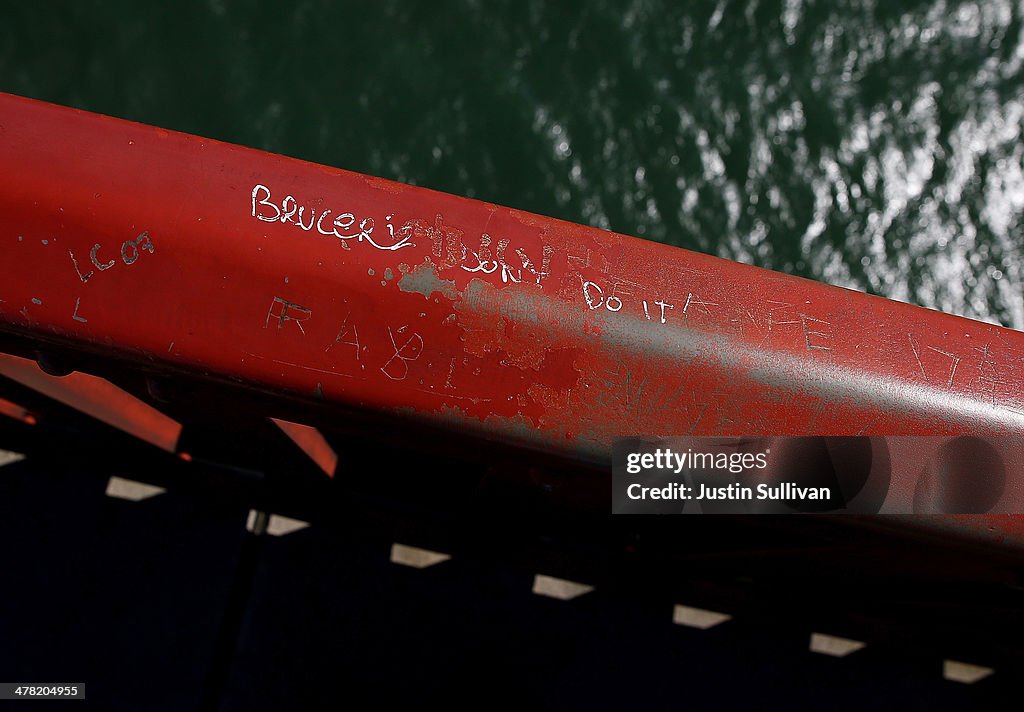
(870, 144)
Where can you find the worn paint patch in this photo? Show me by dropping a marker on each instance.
(423, 279)
(517, 320)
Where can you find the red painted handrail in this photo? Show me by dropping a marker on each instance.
(179, 251)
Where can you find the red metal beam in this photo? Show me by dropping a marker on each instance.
(312, 443)
(98, 398)
(106, 402)
(13, 410)
(181, 252)
(175, 249)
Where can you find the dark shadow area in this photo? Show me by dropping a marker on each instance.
(125, 596)
(168, 603)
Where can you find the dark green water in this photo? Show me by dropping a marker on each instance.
(876, 146)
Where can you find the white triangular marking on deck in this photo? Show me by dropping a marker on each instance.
(833, 645)
(964, 672)
(276, 525)
(279, 526)
(697, 617)
(415, 557)
(250, 521)
(559, 588)
(7, 457)
(131, 490)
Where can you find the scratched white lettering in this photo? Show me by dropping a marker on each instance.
(130, 252)
(345, 226)
(410, 350)
(449, 248)
(596, 297)
(343, 333)
(283, 311)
